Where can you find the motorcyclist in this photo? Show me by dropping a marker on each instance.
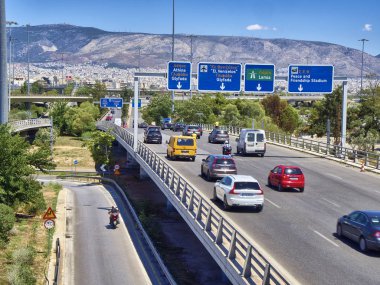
(113, 211)
(227, 148)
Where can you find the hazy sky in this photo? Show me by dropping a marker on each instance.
(342, 22)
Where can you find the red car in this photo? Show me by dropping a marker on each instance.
(285, 176)
(109, 118)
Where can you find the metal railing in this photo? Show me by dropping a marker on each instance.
(57, 261)
(240, 259)
(17, 126)
(369, 159)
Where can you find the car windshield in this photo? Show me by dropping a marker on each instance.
(293, 171)
(375, 221)
(247, 185)
(185, 142)
(224, 161)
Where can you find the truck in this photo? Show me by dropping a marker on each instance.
(118, 121)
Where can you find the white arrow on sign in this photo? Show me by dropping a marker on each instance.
(179, 86)
(258, 87)
(300, 88)
(222, 86)
(102, 168)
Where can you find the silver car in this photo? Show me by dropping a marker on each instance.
(239, 190)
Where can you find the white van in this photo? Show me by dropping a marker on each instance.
(251, 141)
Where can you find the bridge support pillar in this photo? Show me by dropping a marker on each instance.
(169, 207)
(131, 162)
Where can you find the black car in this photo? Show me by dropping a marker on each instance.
(142, 125)
(153, 136)
(362, 227)
(178, 127)
(148, 128)
(218, 136)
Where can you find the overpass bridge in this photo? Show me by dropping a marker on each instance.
(292, 241)
(45, 99)
(30, 124)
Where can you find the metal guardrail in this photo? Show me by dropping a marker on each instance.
(240, 260)
(135, 218)
(17, 126)
(369, 159)
(57, 261)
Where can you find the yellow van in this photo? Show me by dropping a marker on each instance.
(182, 147)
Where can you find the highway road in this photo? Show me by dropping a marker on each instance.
(100, 254)
(298, 229)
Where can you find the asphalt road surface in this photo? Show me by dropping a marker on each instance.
(101, 255)
(297, 229)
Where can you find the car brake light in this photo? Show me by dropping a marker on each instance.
(232, 191)
(376, 234)
(261, 192)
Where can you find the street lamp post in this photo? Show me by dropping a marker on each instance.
(361, 71)
(3, 66)
(27, 57)
(191, 60)
(10, 23)
(173, 55)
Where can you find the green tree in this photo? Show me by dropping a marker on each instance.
(58, 111)
(81, 119)
(159, 107)
(289, 119)
(274, 106)
(17, 163)
(7, 220)
(100, 144)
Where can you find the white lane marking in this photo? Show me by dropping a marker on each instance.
(274, 204)
(332, 203)
(322, 236)
(335, 176)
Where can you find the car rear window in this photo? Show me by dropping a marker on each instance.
(260, 137)
(293, 171)
(375, 221)
(154, 132)
(247, 185)
(250, 137)
(224, 161)
(193, 127)
(221, 132)
(185, 142)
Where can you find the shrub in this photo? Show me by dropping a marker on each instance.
(7, 220)
(21, 275)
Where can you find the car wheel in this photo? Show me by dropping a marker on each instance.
(237, 150)
(214, 197)
(269, 184)
(260, 208)
(279, 187)
(167, 155)
(339, 230)
(208, 177)
(363, 244)
(225, 204)
(262, 155)
(302, 189)
(193, 158)
(209, 140)
(244, 151)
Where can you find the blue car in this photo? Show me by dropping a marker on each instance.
(362, 227)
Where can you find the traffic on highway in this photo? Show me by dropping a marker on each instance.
(300, 226)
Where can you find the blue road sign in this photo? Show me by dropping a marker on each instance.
(222, 77)
(111, 102)
(138, 103)
(75, 161)
(310, 78)
(259, 78)
(179, 75)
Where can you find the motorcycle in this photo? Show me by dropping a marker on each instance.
(114, 219)
(227, 150)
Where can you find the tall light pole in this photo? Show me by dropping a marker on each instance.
(10, 23)
(361, 72)
(3, 66)
(173, 56)
(191, 61)
(27, 58)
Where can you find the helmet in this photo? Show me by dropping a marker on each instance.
(226, 142)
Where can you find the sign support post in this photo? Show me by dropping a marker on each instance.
(344, 115)
(135, 114)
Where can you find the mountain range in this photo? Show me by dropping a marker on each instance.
(79, 45)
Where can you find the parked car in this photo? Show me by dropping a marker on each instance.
(153, 136)
(286, 176)
(218, 136)
(178, 127)
(148, 128)
(362, 227)
(182, 147)
(251, 141)
(142, 125)
(239, 190)
(165, 126)
(215, 166)
(109, 118)
(192, 129)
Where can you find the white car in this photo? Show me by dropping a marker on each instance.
(239, 190)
